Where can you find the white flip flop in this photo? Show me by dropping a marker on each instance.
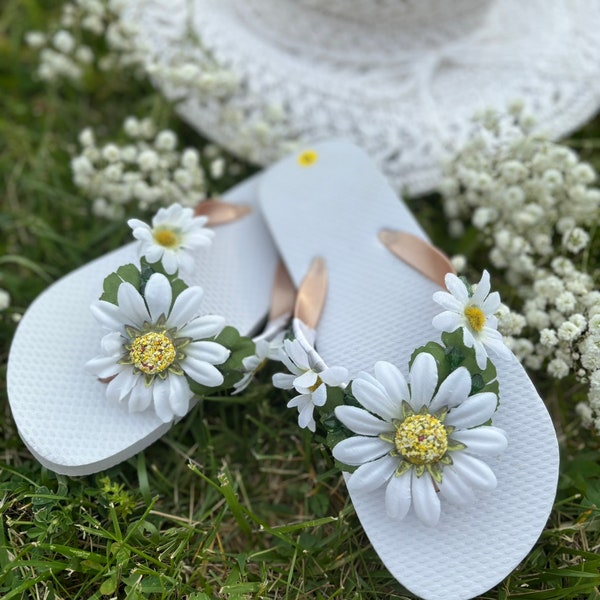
(61, 409)
(331, 202)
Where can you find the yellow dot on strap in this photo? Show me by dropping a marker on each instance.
(307, 158)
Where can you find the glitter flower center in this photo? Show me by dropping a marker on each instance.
(421, 439)
(152, 352)
(475, 317)
(166, 237)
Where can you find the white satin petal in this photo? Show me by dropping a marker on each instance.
(179, 395)
(210, 352)
(423, 380)
(374, 399)
(488, 441)
(161, 391)
(202, 328)
(132, 305)
(426, 503)
(357, 450)
(392, 380)
(398, 496)
(185, 307)
(360, 421)
(454, 489)
(453, 390)
(474, 411)
(158, 295)
(474, 471)
(372, 475)
(202, 372)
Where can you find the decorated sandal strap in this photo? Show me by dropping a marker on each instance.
(219, 212)
(418, 254)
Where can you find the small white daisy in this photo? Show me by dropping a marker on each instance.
(415, 440)
(154, 345)
(173, 239)
(474, 312)
(311, 384)
(264, 350)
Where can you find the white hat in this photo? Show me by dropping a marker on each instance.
(401, 78)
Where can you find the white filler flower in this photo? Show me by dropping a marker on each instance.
(154, 344)
(174, 237)
(418, 442)
(474, 312)
(310, 384)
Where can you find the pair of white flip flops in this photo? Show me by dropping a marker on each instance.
(328, 202)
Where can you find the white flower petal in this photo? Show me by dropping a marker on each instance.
(360, 421)
(374, 399)
(112, 343)
(179, 395)
(334, 376)
(305, 417)
(297, 354)
(170, 261)
(161, 391)
(447, 301)
(447, 321)
(457, 288)
(132, 305)
(398, 496)
(491, 304)
(372, 475)
(209, 352)
(204, 327)
(454, 489)
(283, 381)
(121, 385)
(480, 353)
(474, 411)
(153, 253)
(300, 401)
(140, 396)
(202, 372)
(158, 295)
(426, 503)
(482, 289)
(108, 315)
(185, 307)
(357, 450)
(319, 396)
(103, 366)
(474, 471)
(423, 379)
(392, 380)
(453, 390)
(305, 381)
(486, 440)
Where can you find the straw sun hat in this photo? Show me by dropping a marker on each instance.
(401, 78)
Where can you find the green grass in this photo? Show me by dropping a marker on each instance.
(235, 501)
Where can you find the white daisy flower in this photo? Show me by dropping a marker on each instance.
(419, 442)
(154, 345)
(474, 312)
(310, 383)
(264, 350)
(173, 239)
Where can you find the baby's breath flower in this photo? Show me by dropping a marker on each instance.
(536, 192)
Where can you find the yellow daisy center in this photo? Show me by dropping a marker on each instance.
(307, 158)
(421, 439)
(475, 317)
(315, 385)
(152, 352)
(166, 237)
